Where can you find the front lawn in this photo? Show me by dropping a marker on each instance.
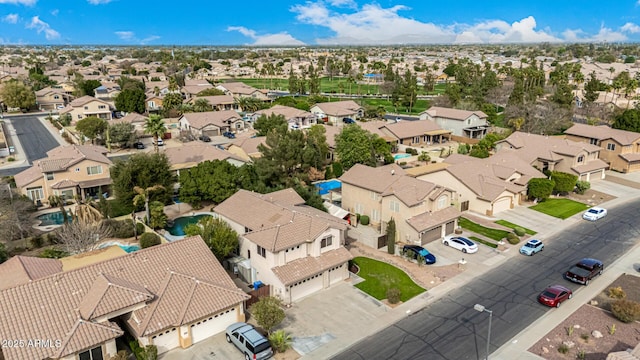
(495, 234)
(513, 226)
(380, 277)
(484, 242)
(560, 208)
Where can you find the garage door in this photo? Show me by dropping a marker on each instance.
(431, 235)
(450, 227)
(210, 132)
(338, 274)
(166, 341)
(206, 328)
(306, 287)
(501, 205)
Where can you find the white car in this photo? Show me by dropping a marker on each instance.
(594, 213)
(461, 243)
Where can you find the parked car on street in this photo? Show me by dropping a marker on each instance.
(554, 295)
(585, 270)
(160, 142)
(594, 213)
(248, 340)
(531, 247)
(138, 145)
(461, 243)
(204, 138)
(413, 251)
(229, 134)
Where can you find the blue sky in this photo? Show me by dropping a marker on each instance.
(315, 22)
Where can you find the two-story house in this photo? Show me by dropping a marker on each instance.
(193, 153)
(239, 90)
(335, 112)
(620, 148)
(193, 87)
(211, 123)
(422, 210)
(296, 118)
(247, 148)
(556, 154)
(417, 133)
(172, 296)
(51, 98)
(463, 123)
(296, 249)
(87, 106)
(67, 171)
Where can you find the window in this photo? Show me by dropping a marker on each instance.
(94, 170)
(326, 241)
(468, 121)
(35, 194)
(93, 354)
(611, 146)
(593, 141)
(49, 175)
(359, 209)
(442, 202)
(86, 108)
(375, 215)
(580, 159)
(374, 195)
(394, 206)
(101, 107)
(66, 194)
(56, 97)
(261, 251)
(416, 139)
(79, 116)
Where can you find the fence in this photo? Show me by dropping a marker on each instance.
(256, 294)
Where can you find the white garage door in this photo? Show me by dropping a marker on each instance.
(166, 341)
(337, 274)
(501, 205)
(306, 287)
(206, 328)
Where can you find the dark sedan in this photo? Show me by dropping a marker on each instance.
(418, 252)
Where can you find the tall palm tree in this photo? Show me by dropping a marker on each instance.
(154, 125)
(201, 105)
(143, 197)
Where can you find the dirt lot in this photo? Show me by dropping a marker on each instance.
(590, 318)
(590, 197)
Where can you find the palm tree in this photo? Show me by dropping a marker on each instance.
(143, 197)
(201, 105)
(154, 125)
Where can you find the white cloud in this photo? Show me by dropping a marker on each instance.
(281, 39)
(630, 27)
(11, 18)
(42, 26)
(97, 2)
(19, 2)
(604, 35)
(498, 31)
(130, 36)
(55, 12)
(149, 39)
(125, 35)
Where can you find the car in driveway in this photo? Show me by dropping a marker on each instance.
(160, 142)
(531, 247)
(204, 138)
(248, 340)
(585, 270)
(229, 134)
(414, 251)
(554, 295)
(461, 243)
(138, 145)
(595, 213)
(348, 120)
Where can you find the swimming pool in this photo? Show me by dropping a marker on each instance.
(401, 156)
(177, 229)
(127, 248)
(53, 218)
(325, 186)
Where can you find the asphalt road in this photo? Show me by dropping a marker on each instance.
(34, 137)
(451, 329)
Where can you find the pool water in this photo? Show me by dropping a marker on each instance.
(54, 218)
(126, 248)
(401, 156)
(326, 186)
(177, 229)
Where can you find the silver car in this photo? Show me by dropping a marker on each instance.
(248, 340)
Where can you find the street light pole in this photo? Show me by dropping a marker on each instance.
(481, 308)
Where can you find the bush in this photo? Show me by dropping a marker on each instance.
(582, 187)
(563, 349)
(364, 219)
(463, 149)
(338, 170)
(11, 159)
(424, 157)
(280, 340)
(53, 253)
(148, 240)
(519, 231)
(626, 311)
(411, 151)
(616, 293)
(393, 295)
(124, 228)
(36, 242)
(564, 182)
(513, 238)
(539, 188)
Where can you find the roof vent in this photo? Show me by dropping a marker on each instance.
(393, 171)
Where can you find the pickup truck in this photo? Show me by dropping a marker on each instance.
(585, 270)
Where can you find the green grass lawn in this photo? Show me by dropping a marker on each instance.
(380, 276)
(560, 208)
(485, 242)
(495, 234)
(513, 226)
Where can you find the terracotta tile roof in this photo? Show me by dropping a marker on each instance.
(454, 114)
(374, 179)
(331, 132)
(62, 184)
(63, 157)
(217, 118)
(410, 190)
(250, 145)
(378, 127)
(195, 89)
(339, 108)
(304, 268)
(192, 153)
(428, 220)
(286, 111)
(24, 269)
(28, 176)
(131, 118)
(592, 166)
(531, 146)
(410, 129)
(603, 132)
(215, 99)
(630, 157)
(176, 274)
(238, 88)
(81, 101)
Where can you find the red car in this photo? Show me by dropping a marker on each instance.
(554, 295)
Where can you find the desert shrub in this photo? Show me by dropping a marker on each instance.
(364, 219)
(585, 337)
(519, 231)
(53, 253)
(616, 292)
(280, 340)
(148, 240)
(626, 310)
(424, 157)
(11, 159)
(463, 149)
(36, 242)
(563, 349)
(582, 187)
(411, 151)
(52, 238)
(393, 295)
(513, 238)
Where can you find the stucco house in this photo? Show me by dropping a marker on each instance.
(463, 123)
(417, 133)
(67, 171)
(619, 148)
(192, 153)
(295, 249)
(137, 120)
(211, 123)
(556, 154)
(87, 106)
(218, 102)
(193, 87)
(296, 118)
(334, 112)
(486, 186)
(247, 148)
(422, 210)
(51, 98)
(239, 89)
(171, 296)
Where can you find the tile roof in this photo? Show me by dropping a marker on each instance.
(131, 118)
(306, 267)
(217, 118)
(195, 89)
(409, 129)
(24, 269)
(286, 111)
(454, 114)
(428, 220)
(63, 184)
(192, 153)
(339, 108)
(603, 132)
(81, 101)
(238, 88)
(182, 275)
(591, 166)
(63, 157)
(250, 145)
(630, 157)
(215, 99)
(28, 175)
(375, 179)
